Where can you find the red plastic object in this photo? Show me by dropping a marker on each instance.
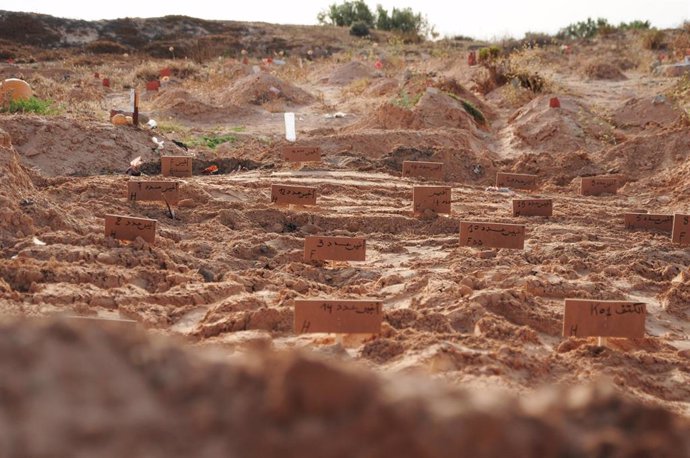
(106, 82)
(153, 85)
(472, 58)
(166, 72)
(378, 64)
(554, 102)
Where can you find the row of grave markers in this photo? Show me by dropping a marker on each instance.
(582, 317)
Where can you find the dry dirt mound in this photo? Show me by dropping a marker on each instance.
(567, 129)
(435, 109)
(385, 86)
(649, 112)
(22, 209)
(112, 393)
(264, 87)
(62, 146)
(352, 71)
(598, 69)
(182, 105)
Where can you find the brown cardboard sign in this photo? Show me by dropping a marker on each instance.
(532, 207)
(165, 191)
(681, 229)
(338, 316)
(334, 248)
(492, 235)
(129, 228)
(302, 154)
(595, 318)
(594, 186)
(297, 195)
(176, 166)
(516, 180)
(436, 198)
(419, 169)
(648, 221)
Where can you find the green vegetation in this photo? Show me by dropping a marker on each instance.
(405, 100)
(653, 39)
(212, 140)
(404, 20)
(470, 108)
(635, 25)
(489, 54)
(32, 105)
(591, 28)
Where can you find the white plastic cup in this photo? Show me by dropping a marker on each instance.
(290, 132)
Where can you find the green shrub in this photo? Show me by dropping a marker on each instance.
(346, 14)
(489, 54)
(635, 25)
(475, 112)
(212, 141)
(404, 21)
(582, 29)
(359, 29)
(32, 105)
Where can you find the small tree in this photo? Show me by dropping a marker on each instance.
(347, 13)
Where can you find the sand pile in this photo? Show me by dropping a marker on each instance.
(567, 129)
(181, 104)
(62, 146)
(110, 393)
(452, 86)
(382, 87)
(264, 87)
(647, 113)
(598, 69)
(435, 109)
(352, 71)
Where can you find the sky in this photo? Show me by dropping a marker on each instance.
(495, 19)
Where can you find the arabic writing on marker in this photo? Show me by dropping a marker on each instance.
(298, 195)
(601, 318)
(340, 316)
(663, 223)
(302, 154)
(334, 248)
(532, 207)
(492, 235)
(129, 228)
(516, 180)
(432, 170)
(153, 191)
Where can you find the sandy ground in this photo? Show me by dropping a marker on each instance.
(224, 273)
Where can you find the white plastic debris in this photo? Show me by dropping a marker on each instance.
(152, 124)
(290, 131)
(159, 143)
(38, 242)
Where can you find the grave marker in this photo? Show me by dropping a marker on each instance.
(681, 229)
(436, 198)
(153, 85)
(302, 154)
(516, 180)
(492, 235)
(129, 228)
(594, 186)
(596, 318)
(165, 72)
(334, 248)
(176, 166)
(338, 316)
(419, 169)
(165, 191)
(292, 195)
(647, 221)
(532, 207)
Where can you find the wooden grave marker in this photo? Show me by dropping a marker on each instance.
(150, 191)
(681, 229)
(436, 198)
(532, 207)
(292, 195)
(420, 169)
(176, 166)
(338, 316)
(302, 153)
(516, 180)
(129, 228)
(648, 221)
(492, 235)
(597, 318)
(334, 248)
(594, 186)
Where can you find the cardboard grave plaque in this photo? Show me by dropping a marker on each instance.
(492, 235)
(595, 318)
(302, 153)
(681, 229)
(648, 221)
(436, 198)
(295, 195)
(594, 186)
(419, 169)
(164, 191)
(532, 207)
(165, 72)
(334, 248)
(516, 180)
(129, 228)
(176, 166)
(338, 316)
